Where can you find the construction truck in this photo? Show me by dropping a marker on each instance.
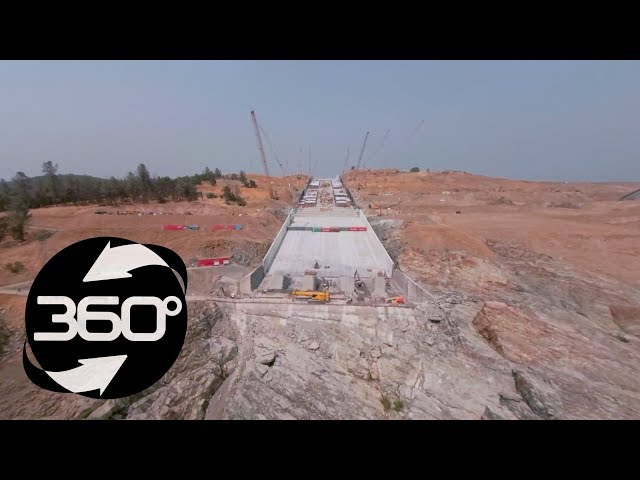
(312, 295)
(395, 300)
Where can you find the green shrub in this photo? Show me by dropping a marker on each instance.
(4, 227)
(398, 405)
(232, 197)
(43, 235)
(15, 267)
(386, 403)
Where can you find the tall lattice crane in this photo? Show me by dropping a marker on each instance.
(346, 162)
(273, 152)
(364, 144)
(260, 147)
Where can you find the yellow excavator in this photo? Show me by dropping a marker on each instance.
(312, 295)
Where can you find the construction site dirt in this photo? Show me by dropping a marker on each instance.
(513, 307)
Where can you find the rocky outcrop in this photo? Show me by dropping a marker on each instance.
(523, 336)
(569, 337)
(205, 361)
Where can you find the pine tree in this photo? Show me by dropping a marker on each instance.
(144, 180)
(52, 182)
(19, 207)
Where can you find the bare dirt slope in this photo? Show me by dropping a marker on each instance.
(582, 224)
(51, 229)
(550, 273)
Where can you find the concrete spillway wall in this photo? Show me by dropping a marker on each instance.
(387, 260)
(275, 246)
(253, 280)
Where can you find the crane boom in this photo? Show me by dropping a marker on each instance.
(346, 162)
(364, 144)
(260, 147)
(273, 151)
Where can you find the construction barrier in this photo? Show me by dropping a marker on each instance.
(226, 227)
(329, 229)
(181, 227)
(213, 262)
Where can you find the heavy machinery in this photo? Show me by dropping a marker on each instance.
(376, 206)
(346, 162)
(394, 300)
(312, 295)
(258, 128)
(364, 144)
(260, 147)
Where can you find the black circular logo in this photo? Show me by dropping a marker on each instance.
(106, 318)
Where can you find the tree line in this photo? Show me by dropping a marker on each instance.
(23, 193)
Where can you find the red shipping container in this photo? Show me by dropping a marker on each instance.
(213, 262)
(352, 229)
(173, 227)
(325, 229)
(334, 229)
(362, 229)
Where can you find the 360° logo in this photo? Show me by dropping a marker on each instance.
(106, 318)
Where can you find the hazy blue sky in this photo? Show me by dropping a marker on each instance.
(565, 120)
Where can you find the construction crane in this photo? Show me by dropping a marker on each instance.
(273, 151)
(300, 162)
(379, 149)
(376, 205)
(364, 144)
(260, 147)
(360, 157)
(346, 162)
(403, 145)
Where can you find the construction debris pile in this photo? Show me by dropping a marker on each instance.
(310, 198)
(340, 195)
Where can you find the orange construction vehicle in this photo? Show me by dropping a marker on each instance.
(312, 295)
(395, 300)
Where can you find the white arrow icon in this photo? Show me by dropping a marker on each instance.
(118, 261)
(93, 374)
